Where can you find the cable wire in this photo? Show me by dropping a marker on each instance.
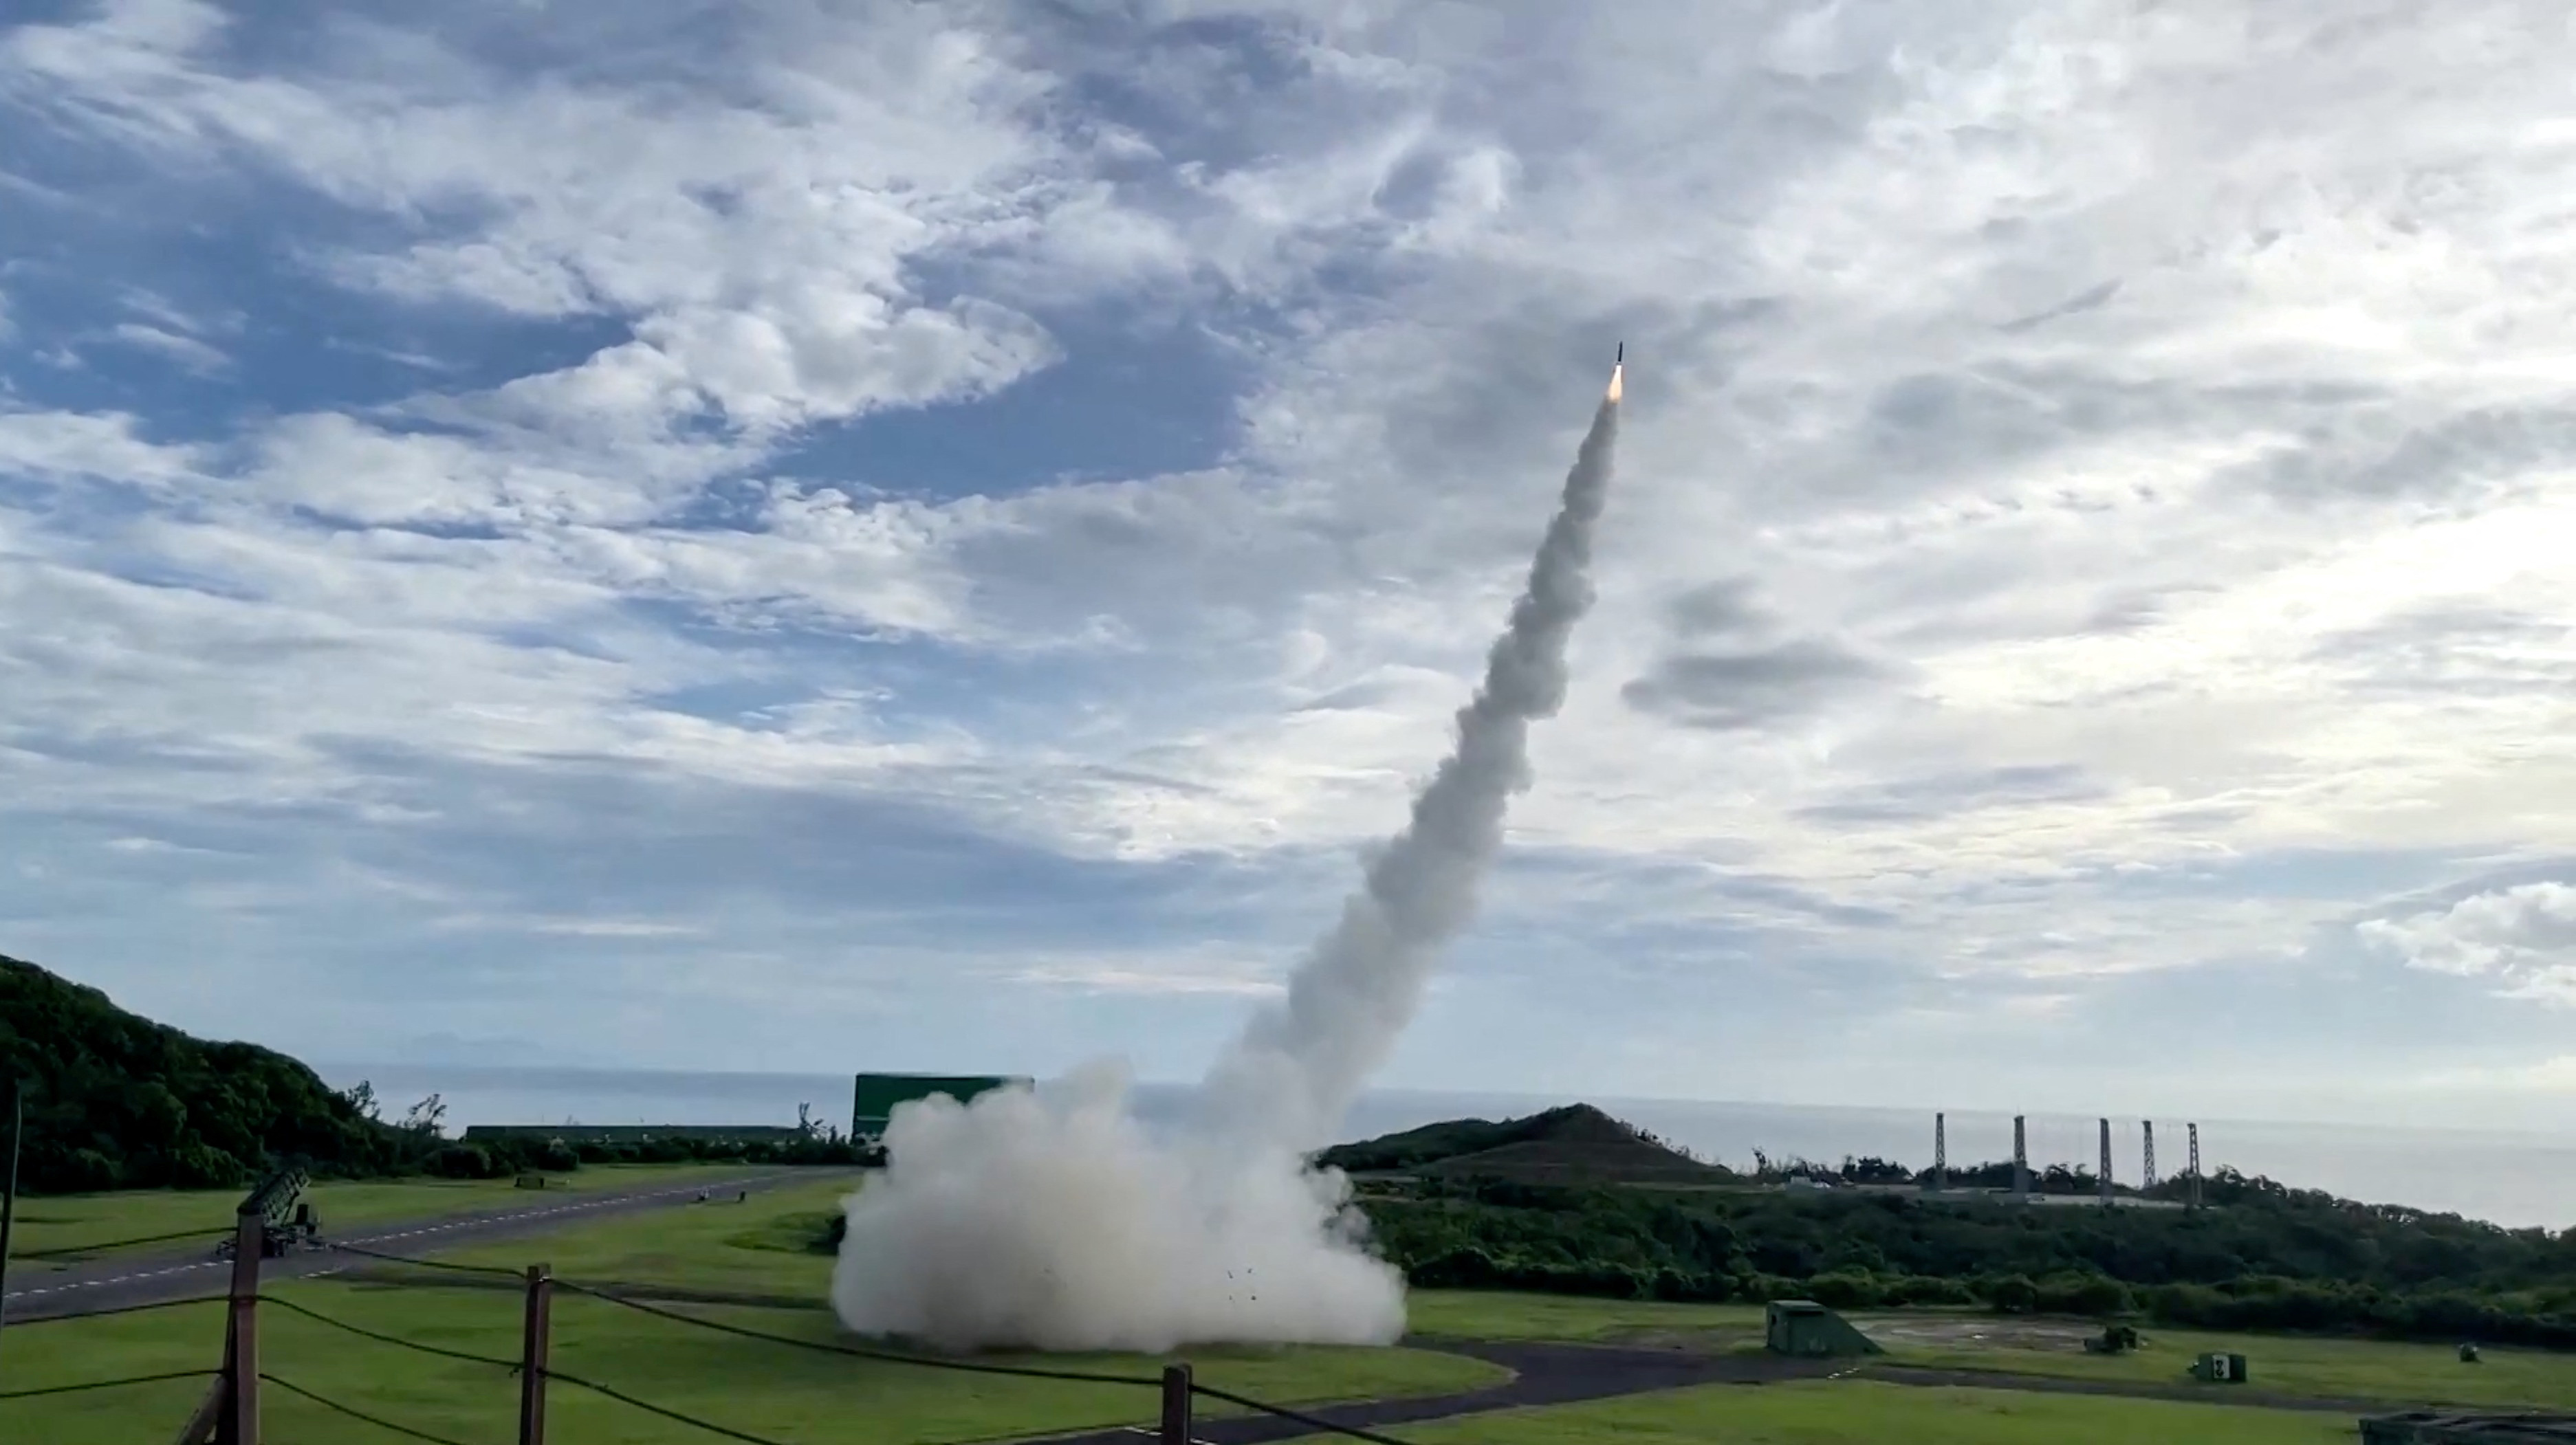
(107, 1384)
(978, 1367)
(1316, 1422)
(61, 1250)
(353, 1412)
(426, 1263)
(20, 1322)
(363, 1332)
(665, 1412)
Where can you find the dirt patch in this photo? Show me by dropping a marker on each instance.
(2000, 1332)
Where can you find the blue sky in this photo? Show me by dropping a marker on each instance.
(807, 536)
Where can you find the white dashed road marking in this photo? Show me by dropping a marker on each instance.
(468, 1222)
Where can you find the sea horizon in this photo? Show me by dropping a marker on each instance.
(2515, 1178)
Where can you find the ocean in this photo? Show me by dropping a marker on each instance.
(2518, 1180)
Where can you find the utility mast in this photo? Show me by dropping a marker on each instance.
(2021, 1161)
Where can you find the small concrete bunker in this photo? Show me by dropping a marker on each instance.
(1808, 1330)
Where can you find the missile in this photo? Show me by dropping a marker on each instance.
(1622, 358)
(1618, 369)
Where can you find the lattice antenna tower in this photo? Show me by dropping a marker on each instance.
(2195, 1164)
(2147, 1171)
(2106, 1164)
(1940, 1152)
(2021, 1159)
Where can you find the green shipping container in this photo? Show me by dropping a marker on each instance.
(873, 1096)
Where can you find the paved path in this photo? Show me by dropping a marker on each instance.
(143, 1278)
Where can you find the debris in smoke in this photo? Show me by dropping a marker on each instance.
(1048, 1218)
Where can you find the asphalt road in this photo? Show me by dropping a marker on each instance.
(148, 1277)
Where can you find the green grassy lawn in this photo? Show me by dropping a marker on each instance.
(757, 1247)
(1503, 1315)
(2294, 1365)
(2400, 1374)
(74, 1221)
(1854, 1412)
(792, 1394)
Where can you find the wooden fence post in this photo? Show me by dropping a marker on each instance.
(201, 1426)
(1176, 1405)
(532, 1355)
(239, 1422)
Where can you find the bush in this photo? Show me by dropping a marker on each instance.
(199, 1166)
(86, 1172)
(2013, 1294)
(1923, 1290)
(1457, 1269)
(1846, 1289)
(2070, 1293)
(463, 1161)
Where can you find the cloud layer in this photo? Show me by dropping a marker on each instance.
(944, 525)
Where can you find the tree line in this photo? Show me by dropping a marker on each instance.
(2264, 1256)
(115, 1101)
(112, 1100)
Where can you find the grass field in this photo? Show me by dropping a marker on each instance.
(1502, 1315)
(2295, 1365)
(757, 1247)
(760, 1248)
(2287, 1364)
(1855, 1412)
(768, 1389)
(75, 1221)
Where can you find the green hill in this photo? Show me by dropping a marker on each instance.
(1574, 1145)
(115, 1100)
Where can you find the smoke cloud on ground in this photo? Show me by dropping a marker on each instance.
(1049, 1219)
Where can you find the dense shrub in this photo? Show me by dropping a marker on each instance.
(2271, 1258)
(118, 1101)
(464, 1161)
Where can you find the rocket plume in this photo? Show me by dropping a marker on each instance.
(1298, 1065)
(1051, 1219)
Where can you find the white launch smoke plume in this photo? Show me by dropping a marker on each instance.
(1051, 1219)
(1299, 1064)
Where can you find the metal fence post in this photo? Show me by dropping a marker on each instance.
(239, 1422)
(1176, 1405)
(532, 1355)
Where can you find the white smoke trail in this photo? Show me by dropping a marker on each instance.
(1050, 1219)
(1299, 1064)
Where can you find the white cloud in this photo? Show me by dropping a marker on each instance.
(758, 243)
(1187, 973)
(187, 351)
(2522, 939)
(100, 446)
(2553, 1075)
(2132, 438)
